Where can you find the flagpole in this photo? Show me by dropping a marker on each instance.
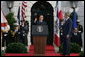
(20, 14)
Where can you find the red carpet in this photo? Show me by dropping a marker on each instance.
(49, 52)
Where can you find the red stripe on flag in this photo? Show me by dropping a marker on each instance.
(57, 40)
(24, 5)
(3, 24)
(23, 13)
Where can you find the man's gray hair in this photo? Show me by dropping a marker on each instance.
(67, 13)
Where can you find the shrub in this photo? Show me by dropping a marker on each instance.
(74, 48)
(11, 20)
(2, 53)
(16, 48)
(82, 53)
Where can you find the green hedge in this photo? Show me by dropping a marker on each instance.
(2, 53)
(16, 48)
(74, 48)
(82, 53)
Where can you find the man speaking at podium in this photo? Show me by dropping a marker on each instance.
(39, 40)
(40, 21)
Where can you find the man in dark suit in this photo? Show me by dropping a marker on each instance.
(40, 20)
(39, 48)
(66, 31)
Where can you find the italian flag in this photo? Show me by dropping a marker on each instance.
(59, 17)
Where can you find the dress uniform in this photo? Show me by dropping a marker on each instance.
(26, 28)
(10, 38)
(4, 37)
(22, 35)
(77, 36)
(61, 30)
(16, 34)
(13, 34)
(80, 30)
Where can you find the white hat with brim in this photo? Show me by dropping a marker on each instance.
(78, 20)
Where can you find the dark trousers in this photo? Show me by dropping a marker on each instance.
(61, 39)
(4, 39)
(66, 46)
(23, 39)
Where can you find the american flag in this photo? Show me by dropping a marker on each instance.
(23, 10)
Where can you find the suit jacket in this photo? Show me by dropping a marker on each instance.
(67, 27)
(40, 23)
(80, 28)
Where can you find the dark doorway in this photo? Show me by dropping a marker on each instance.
(45, 8)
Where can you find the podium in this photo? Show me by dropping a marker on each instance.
(39, 34)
